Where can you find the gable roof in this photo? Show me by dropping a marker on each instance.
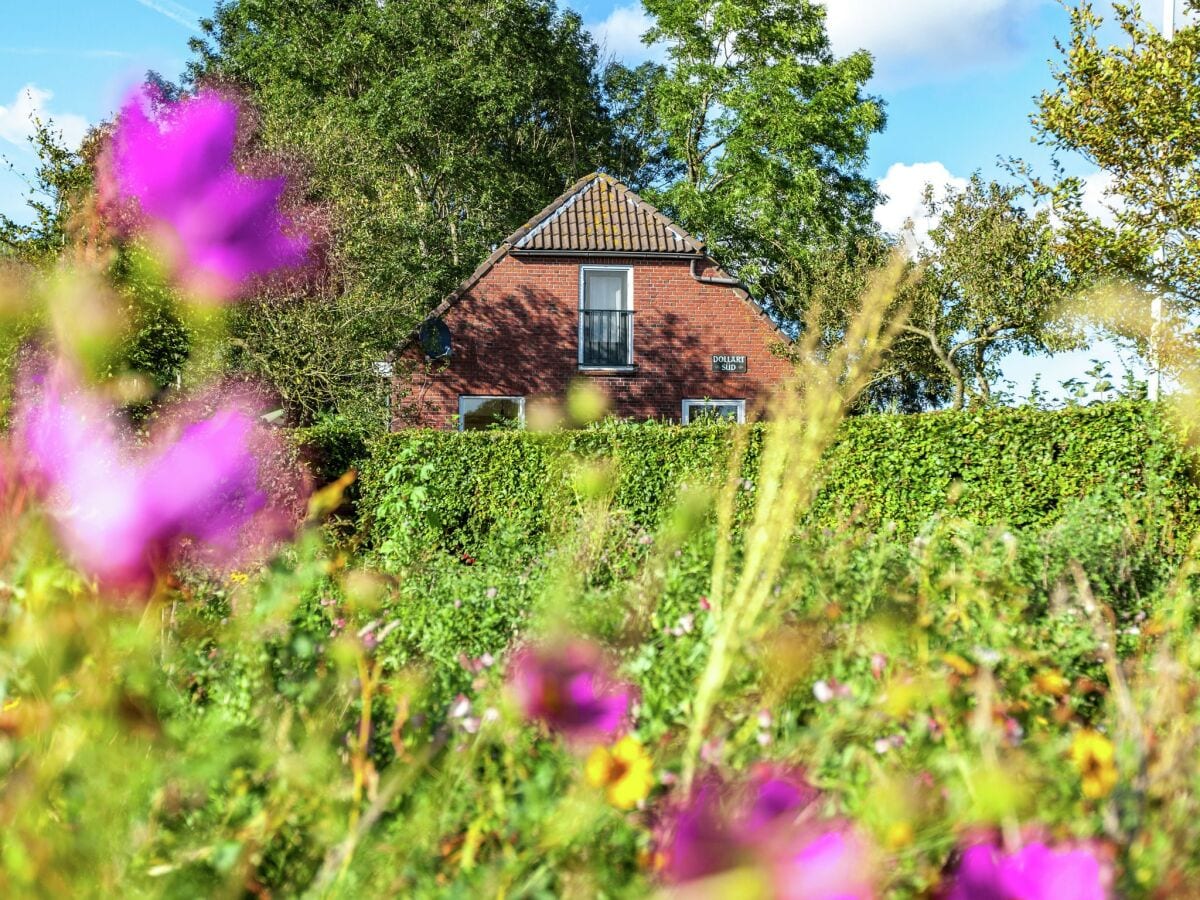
(599, 214)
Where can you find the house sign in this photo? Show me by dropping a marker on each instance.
(729, 363)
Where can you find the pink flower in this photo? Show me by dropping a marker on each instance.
(177, 167)
(725, 825)
(879, 663)
(829, 864)
(570, 688)
(125, 516)
(1035, 872)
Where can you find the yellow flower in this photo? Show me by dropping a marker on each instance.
(1052, 682)
(958, 664)
(625, 771)
(238, 577)
(899, 835)
(1093, 754)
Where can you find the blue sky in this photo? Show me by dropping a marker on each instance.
(959, 78)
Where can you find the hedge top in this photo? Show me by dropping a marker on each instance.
(465, 492)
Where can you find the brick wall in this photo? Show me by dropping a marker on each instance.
(515, 332)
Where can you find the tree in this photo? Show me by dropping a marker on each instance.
(427, 128)
(909, 377)
(60, 187)
(64, 229)
(1133, 112)
(992, 281)
(769, 132)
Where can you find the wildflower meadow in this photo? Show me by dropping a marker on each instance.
(226, 670)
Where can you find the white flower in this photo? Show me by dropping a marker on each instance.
(823, 692)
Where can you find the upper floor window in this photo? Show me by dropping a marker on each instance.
(475, 413)
(605, 316)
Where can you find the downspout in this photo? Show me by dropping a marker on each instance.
(722, 282)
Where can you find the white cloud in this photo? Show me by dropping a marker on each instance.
(620, 35)
(903, 212)
(1098, 200)
(16, 119)
(922, 40)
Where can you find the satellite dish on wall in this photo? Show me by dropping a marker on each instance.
(434, 337)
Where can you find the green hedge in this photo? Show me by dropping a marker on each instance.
(490, 492)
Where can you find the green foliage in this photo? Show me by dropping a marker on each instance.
(1020, 467)
(992, 282)
(154, 341)
(332, 447)
(428, 129)
(1129, 109)
(212, 743)
(59, 190)
(487, 494)
(770, 131)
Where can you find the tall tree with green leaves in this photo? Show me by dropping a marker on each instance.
(59, 186)
(909, 377)
(769, 131)
(1132, 110)
(428, 129)
(992, 281)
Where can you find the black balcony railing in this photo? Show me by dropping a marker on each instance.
(607, 337)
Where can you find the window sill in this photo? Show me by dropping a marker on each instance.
(607, 370)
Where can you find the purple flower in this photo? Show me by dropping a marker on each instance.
(124, 516)
(725, 825)
(220, 226)
(775, 794)
(1035, 872)
(570, 688)
(697, 841)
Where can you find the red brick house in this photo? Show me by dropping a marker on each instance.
(599, 285)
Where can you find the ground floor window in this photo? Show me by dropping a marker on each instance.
(708, 410)
(475, 413)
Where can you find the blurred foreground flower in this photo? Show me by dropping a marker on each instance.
(625, 771)
(219, 227)
(124, 516)
(570, 688)
(762, 825)
(1093, 755)
(1035, 872)
(832, 865)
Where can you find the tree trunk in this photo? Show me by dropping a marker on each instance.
(985, 389)
(958, 398)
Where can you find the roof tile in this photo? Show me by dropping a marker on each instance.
(601, 215)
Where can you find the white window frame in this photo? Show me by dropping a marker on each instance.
(583, 270)
(690, 403)
(519, 400)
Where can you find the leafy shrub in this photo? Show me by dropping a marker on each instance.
(486, 493)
